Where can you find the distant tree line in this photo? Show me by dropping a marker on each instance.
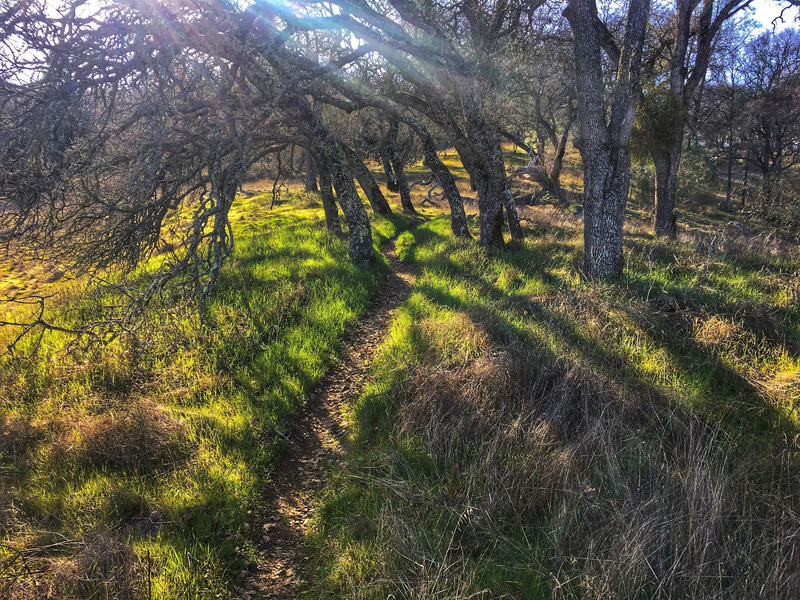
(750, 120)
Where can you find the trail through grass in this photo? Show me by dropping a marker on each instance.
(529, 434)
(133, 466)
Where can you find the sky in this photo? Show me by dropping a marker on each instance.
(767, 10)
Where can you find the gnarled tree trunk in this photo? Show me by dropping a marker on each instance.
(691, 54)
(402, 187)
(328, 201)
(359, 231)
(397, 162)
(606, 181)
(458, 217)
(492, 183)
(482, 156)
(311, 173)
(367, 182)
(605, 134)
(391, 180)
(558, 159)
(490, 209)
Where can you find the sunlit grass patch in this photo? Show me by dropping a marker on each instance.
(528, 433)
(154, 447)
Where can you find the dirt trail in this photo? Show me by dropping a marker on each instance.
(314, 442)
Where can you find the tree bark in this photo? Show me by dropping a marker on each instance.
(397, 164)
(311, 173)
(367, 182)
(729, 183)
(328, 201)
(694, 38)
(499, 188)
(336, 156)
(604, 216)
(666, 180)
(558, 160)
(458, 217)
(359, 231)
(402, 187)
(484, 162)
(391, 180)
(605, 134)
(490, 211)
(746, 181)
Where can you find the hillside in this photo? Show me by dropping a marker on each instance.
(518, 431)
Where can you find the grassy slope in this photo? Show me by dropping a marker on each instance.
(159, 448)
(531, 434)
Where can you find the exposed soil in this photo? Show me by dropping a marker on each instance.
(314, 442)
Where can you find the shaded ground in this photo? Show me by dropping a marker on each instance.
(314, 442)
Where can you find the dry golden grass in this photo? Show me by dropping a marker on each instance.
(98, 566)
(630, 500)
(531, 434)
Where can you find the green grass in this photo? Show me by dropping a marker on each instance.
(524, 433)
(160, 445)
(683, 342)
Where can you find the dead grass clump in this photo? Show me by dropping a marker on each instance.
(745, 334)
(97, 566)
(630, 500)
(17, 436)
(143, 437)
(105, 568)
(453, 340)
(794, 289)
(716, 331)
(734, 240)
(502, 417)
(550, 217)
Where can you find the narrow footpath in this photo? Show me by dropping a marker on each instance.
(314, 443)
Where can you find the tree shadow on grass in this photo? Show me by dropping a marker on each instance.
(725, 396)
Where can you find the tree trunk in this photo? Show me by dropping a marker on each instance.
(558, 161)
(311, 173)
(396, 165)
(729, 183)
(766, 187)
(391, 181)
(328, 201)
(458, 217)
(605, 133)
(489, 172)
(402, 187)
(666, 183)
(514, 226)
(746, 177)
(335, 156)
(604, 217)
(504, 191)
(359, 231)
(367, 182)
(490, 211)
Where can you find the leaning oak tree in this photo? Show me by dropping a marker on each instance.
(127, 126)
(445, 53)
(605, 131)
